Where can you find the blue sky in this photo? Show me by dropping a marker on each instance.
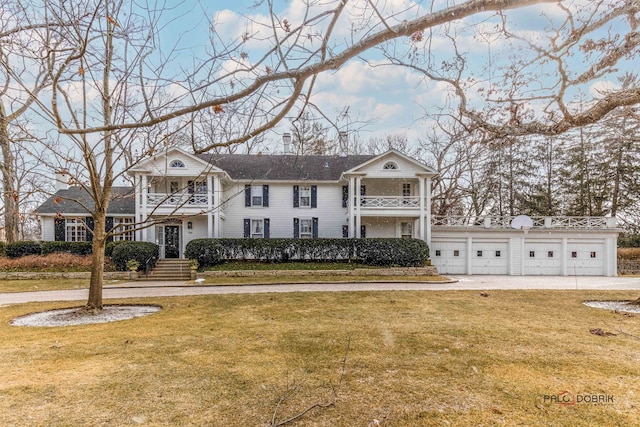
(394, 100)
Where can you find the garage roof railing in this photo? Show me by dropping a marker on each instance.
(557, 222)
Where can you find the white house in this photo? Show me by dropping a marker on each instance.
(184, 197)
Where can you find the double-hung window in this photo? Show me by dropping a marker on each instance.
(406, 230)
(305, 197)
(257, 228)
(256, 195)
(306, 228)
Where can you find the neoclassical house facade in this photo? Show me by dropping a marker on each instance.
(181, 197)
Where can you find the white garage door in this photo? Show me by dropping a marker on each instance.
(449, 257)
(543, 258)
(585, 258)
(490, 257)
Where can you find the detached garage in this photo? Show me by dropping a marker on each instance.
(551, 247)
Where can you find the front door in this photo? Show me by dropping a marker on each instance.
(171, 241)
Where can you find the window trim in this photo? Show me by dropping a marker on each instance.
(253, 235)
(256, 192)
(124, 229)
(305, 234)
(176, 163)
(302, 189)
(77, 228)
(390, 165)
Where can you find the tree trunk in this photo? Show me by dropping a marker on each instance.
(97, 261)
(10, 196)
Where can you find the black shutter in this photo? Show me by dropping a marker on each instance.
(314, 196)
(363, 192)
(89, 225)
(247, 227)
(58, 229)
(363, 231)
(345, 195)
(314, 227)
(190, 187)
(108, 226)
(267, 231)
(345, 231)
(296, 196)
(296, 228)
(265, 196)
(247, 195)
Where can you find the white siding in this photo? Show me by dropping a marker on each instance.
(330, 213)
(48, 228)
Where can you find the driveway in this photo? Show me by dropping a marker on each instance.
(174, 289)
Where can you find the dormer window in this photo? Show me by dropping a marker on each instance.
(176, 164)
(390, 166)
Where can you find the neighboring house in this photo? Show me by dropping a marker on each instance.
(184, 197)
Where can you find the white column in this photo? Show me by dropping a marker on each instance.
(138, 204)
(421, 225)
(217, 199)
(145, 192)
(469, 255)
(564, 257)
(209, 207)
(358, 203)
(350, 207)
(428, 210)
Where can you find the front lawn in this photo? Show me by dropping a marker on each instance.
(381, 358)
(247, 265)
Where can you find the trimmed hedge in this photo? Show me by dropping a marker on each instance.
(75, 248)
(206, 251)
(23, 248)
(390, 252)
(139, 251)
(378, 252)
(629, 241)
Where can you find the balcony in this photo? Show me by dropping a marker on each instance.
(191, 200)
(389, 202)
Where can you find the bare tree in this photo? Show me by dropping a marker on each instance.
(23, 75)
(111, 80)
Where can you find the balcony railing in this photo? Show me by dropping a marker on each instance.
(177, 199)
(389, 202)
(557, 222)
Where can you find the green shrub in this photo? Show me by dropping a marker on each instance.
(378, 252)
(139, 251)
(629, 241)
(108, 248)
(207, 252)
(75, 248)
(392, 252)
(20, 249)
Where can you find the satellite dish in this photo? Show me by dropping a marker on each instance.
(522, 222)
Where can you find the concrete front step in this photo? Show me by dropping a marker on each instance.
(169, 269)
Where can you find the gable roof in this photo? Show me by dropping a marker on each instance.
(170, 152)
(392, 153)
(286, 167)
(74, 199)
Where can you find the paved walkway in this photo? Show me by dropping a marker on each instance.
(171, 289)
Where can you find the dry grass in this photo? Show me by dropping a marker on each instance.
(58, 261)
(415, 359)
(252, 280)
(629, 253)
